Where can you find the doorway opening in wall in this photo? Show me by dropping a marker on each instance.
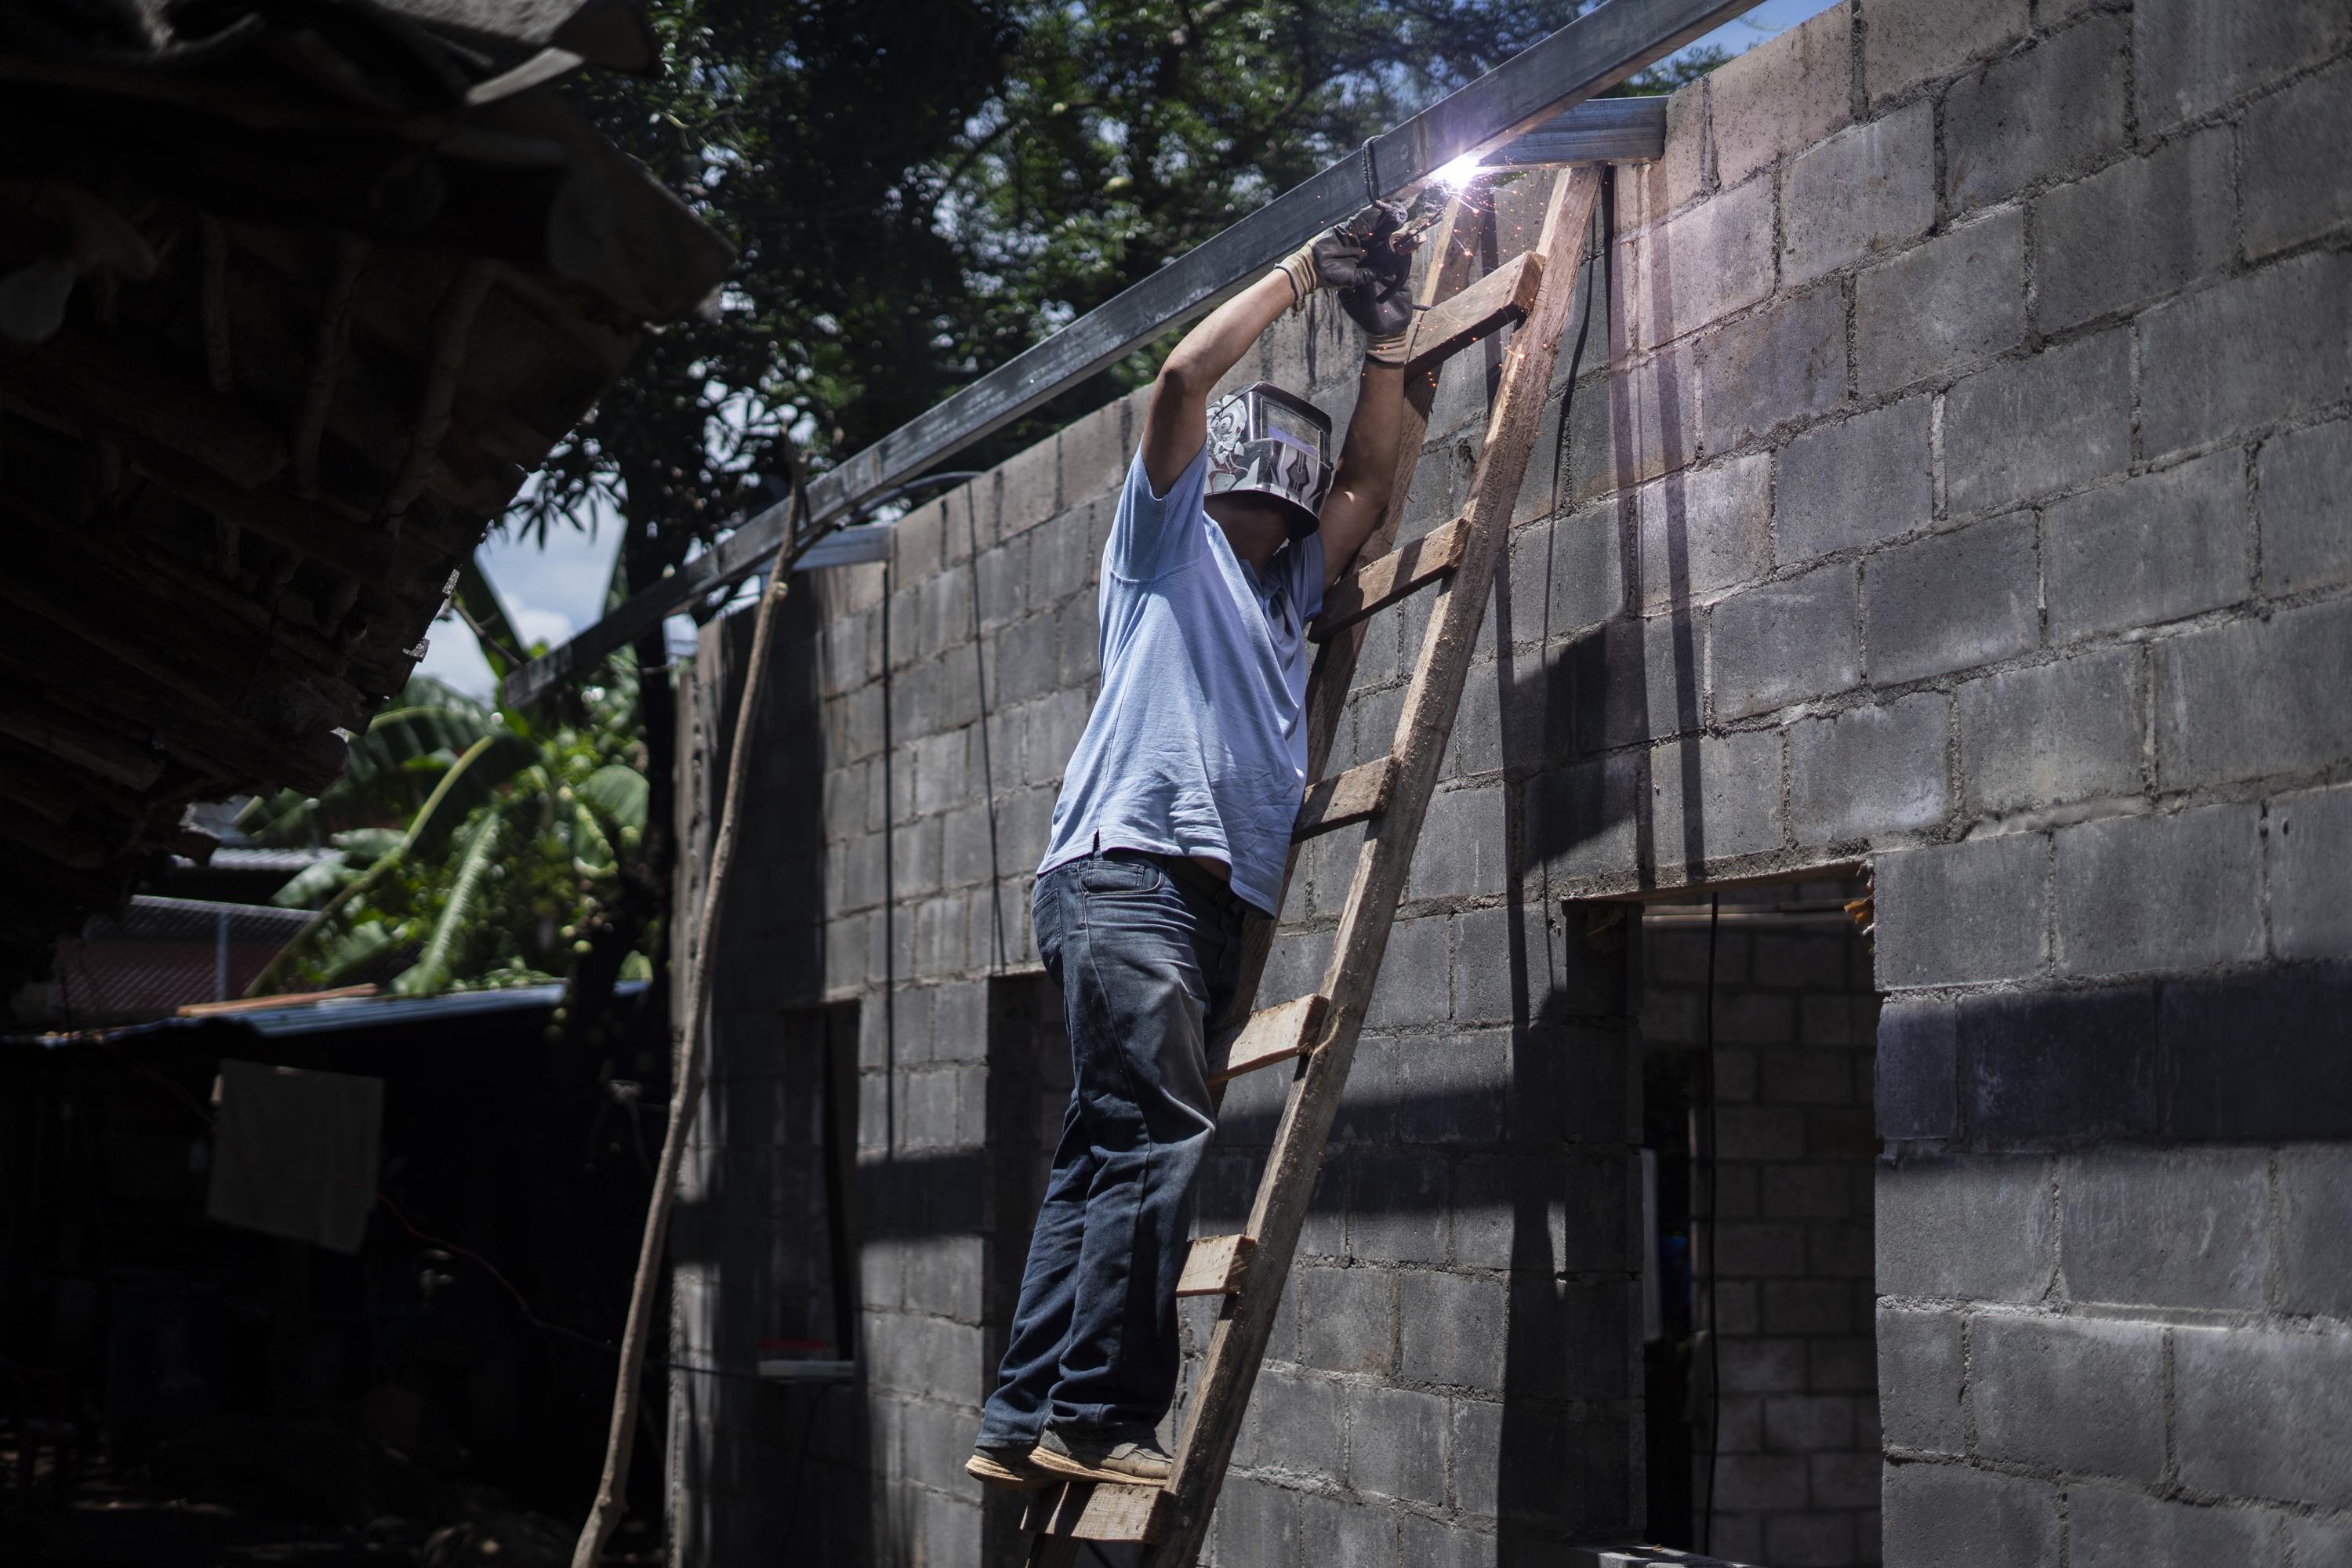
(1759, 1023)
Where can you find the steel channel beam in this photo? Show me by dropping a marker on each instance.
(1592, 54)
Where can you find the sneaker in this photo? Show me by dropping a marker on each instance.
(1006, 1468)
(1096, 1456)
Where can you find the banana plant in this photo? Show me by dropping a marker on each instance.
(473, 841)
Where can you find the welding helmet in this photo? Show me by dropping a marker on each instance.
(1264, 441)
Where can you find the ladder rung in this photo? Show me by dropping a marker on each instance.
(1377, 584)
(1498, 300)
(1274, 1034)
(1096, 1511)
(1216, 1264)
(1359, 793)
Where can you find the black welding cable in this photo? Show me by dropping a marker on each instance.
(987, 768)
(1595, 255)
(890, 904)
(1714, 1239)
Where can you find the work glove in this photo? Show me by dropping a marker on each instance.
(1346, 254)
(1382, 305)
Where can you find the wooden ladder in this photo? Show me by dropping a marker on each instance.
(1319, 1031)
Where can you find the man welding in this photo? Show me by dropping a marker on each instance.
(1173, 822)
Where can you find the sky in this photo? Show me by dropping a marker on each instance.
(555, 592)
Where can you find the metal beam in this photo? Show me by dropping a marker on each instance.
(1590, 55)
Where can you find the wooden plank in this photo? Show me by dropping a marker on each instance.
(1096, 1511)
(1499, 300)
(1377, 584)
(1357, 796)
(1238, 1339)
(1216, 1265)
(1533, 90)
(1274, 1035)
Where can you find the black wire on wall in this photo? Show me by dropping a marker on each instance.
(987, 768)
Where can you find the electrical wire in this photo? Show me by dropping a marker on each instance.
(987, 771)
(1714, 1230)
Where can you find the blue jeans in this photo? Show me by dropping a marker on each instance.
(1147, 953)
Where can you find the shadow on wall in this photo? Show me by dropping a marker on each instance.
(753, 1462)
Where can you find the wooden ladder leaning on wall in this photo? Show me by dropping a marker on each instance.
(1536, 290)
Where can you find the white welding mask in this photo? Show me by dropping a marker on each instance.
(1264, 441)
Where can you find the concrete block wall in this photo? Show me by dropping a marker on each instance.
(1954, 487)
(1795, 1473)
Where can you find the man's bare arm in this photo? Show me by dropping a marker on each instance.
(1359, 491)
(1176, 423)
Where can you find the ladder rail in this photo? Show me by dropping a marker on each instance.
(1237, 1343)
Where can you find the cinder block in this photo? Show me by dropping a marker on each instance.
(1849, 1481)
(2043, 1064)
(2151, 549)
(2254, 697)
(2320, 1539)
(1976, 1227)
(1580, 818)
(1451, 1089)
(2035, 114)
(2237, 356)
(1452, 1330)
(1346, 1319)
(2291, 194)
(1869, 771)
(1349, 1531)
(1464, 846)
(1295, 1423)
(2264, 1414)
(1853, 483)
(1960, 912)
(1951, 601)
(1077, 641)
(1700, 267)
(1650, 190)
(1093, 453)
(1714, 797)
(1916, 1070)
(1565, 574)
(1783, 95)
(1256, 1522)
(1953, 1516)
(2136, 229)
(1634, 679)
(2124, 1529)
(1865, 192)
(2193, 56)
(1638, 422)
(2306, 509)
(1747, 1482)
(1957, 299)
(2174, 893)
(2265, 1056)
(1760, 1365)
(2052, 422)
(2050, 735)
(1396, 1444)
(2074, 1394)
(1397, 1209)
(1028, 489)
(1920, 1365)
(1781, 366)
(2176, 1227)
(1806, 1306)
(1412, 988)
(2310, 845)
(2314, 1266)
(1907, 42)
(1703, 531)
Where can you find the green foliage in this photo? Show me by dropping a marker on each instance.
(474, 844)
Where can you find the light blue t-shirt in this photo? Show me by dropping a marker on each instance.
(1198, 743)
